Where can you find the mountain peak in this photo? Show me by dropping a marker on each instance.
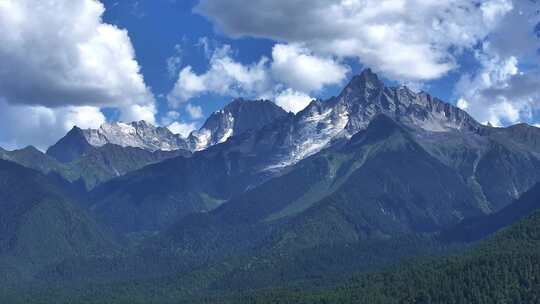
(366, 79)
(239, 103)
(362, 87)
(367, 74)
(235, 118)
(30, 149)
(142, 124)
(139, 134)
(75, 130)
(70, 147)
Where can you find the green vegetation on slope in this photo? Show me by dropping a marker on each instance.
(503, 269)
(96, 166)
(40, 224)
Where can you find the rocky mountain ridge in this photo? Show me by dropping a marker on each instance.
(236, 118)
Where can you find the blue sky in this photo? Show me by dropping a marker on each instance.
(160, 30)
(173, 62)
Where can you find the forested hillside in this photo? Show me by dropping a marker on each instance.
(503, 269)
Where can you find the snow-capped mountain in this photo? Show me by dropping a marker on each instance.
(291, 139)
(339, 155)
(237, 117)
(282, 137)
(362, 99)
(366, 96)
(357, 145)
(138, 134)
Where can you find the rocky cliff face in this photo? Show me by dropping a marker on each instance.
(237, 117)
(139, 134)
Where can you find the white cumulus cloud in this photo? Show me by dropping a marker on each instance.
(137, 112)
(169, 118)
(58, 53)
(24, 125)
(300, 69)
(173, 122)
(504, 89)
(60, 63)
(293, 101)
(498, 92)
(175, 61)
(225, 76)
(195, 112)
(288, 77)
(184, 129)
(407, 40)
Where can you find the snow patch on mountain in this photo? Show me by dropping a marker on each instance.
(200, 139)
(237, 117)
(365, 97)
(138, 134)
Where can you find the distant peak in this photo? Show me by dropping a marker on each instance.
(121, 125)
(238, 102)
(143, 123)
(367, 72)
(237, 117)
(75, 131)
(30, 148)
(248, 107)
(364, 80)
(367, 75)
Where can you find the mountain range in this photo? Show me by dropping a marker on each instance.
(260, 197)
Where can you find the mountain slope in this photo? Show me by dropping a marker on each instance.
(40, 224)
(97, 165)
(103, 163)
(503, 269)
(379, 184)
(394, 187)
(496, 162)
(477, 228)
(157, 195)
(31, 157)
(506, 171)
(70, 147)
